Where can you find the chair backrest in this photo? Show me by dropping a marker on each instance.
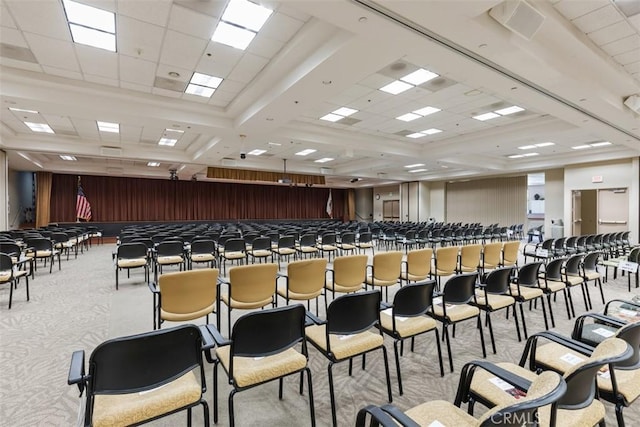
(497, 281)
(365, 237)
(308, 240)
(40, 243)
(235, 244)
(348, 238)
(510, 253)
(170, 248)
(10, 248)
(387, 265)
(548, 244)
(590, 261)
(132, 250)
(145, 361)
(286, 242)
(255, 282)
(203, 246)
(492, 253)
(328, 239)
(572, 264)
(350, 270)
(553, 269)
(419, 261)
(191, 291)
(306, 276)
(6, 264)
(470, 256)
(266, 332)
(353, 313)
(459, 289)
(261, 244)
(447, 258)
(414, 299)
(528, 274)
(634, 255)
(631, 334)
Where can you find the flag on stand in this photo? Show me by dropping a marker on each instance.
(83, 208)
(330, 206)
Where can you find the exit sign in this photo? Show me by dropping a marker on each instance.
(596, 178)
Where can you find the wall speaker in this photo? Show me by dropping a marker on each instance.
(633, 102)
(518, 16)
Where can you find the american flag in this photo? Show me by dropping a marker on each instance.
(83, 207)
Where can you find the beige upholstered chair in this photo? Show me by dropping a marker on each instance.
(11, 275)
(347, 275)
(510, 252)
(186, 295)
(445, 262)
(249, 287)
(385, 270)
(417, 265)
(491, 256)
(470, 258)
(304, 281)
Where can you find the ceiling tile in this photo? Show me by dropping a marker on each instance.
(101, 80)
(623, 45)
(136, 87)
(86, 128)
(56, 53)
(248, 66)
(231, 86)
(628, 57)
(281, 27)
(13, 37)
(190, 22)
(130, 133)
(59, 122)
(5, 17)
(165, 92)
(164, 70)
(98, 62)
(293, 13)
(151, 11)
(635, 21)
(182, 50)
(612, 33)
(139, 39)
(573, 9)
(63, 73)
(222, 60)
(598, 19)
(264, 46)
(211, 7)
(21, 65)
(137, 71)
(633, 67)
(46, 18)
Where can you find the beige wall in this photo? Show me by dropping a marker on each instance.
(389, 192)
(364, 204)
(438, 201)
(615, 174)
(4, 191)
(554, 200)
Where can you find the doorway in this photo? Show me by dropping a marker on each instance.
(391, 210)
(599, 211)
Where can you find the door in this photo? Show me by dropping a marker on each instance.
(576, 212)
(391, 210)
(613, 210)
(589, 211)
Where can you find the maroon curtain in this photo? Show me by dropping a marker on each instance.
(115, 199)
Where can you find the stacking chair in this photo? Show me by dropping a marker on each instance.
(571, 245)
(260, 249)
(445, 262)
(493, 295)
(307, 246)
(304, 281)
(491, 256)
(263, 348)
(542, 250)
(349, 315)
(286, 247)
(385, 270)
(406, 319)
(592, 328)
(167, 253)
(453, 307)
(43, 248)
(63, 243)
(417, 265)
(203, 251)
(185, 295)
(590, 272)
(139, 378)
(233, 250)
(469, 259)
(132, 255)
(573, 278)
(544, 391)
(525, 288)
(249, 287)
(347, 275)
(327, 244)
(364, 242)
(347, 244)
(11, 275)
(554, 281)
(510, 254)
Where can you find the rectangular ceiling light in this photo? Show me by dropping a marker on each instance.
(486, 116)
(431, 131)
(331, 117)
(91, 26)
(396, 87)
(416, 135)
(202, 91)
(20, 110)
(516, 156)
(39, 127)
(169, 142)
(256, 152)
(68, 158)
(530, 154)
(324, 160)
(344, 111)
(526, 147)
(108, 127)
(581, 147)
(600, 144)
(416, 165)
(545, 144)
(202, 85)
(306, 152)
(419, 76)
(153, 164)
(426, 111)
(276, 144)
(408, 117)
(509, 110)
(240, 23)
(418, 170)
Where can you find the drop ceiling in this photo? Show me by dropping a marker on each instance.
(310, 59)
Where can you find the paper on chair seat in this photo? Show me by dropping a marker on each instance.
(571, 359)
(604, 332)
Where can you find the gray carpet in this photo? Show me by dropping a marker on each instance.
(78, 308)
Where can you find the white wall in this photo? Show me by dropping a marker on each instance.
(615, 174)
(364, 204)
(390, 192)
(4, 191)
(554, 200)
(438, 201)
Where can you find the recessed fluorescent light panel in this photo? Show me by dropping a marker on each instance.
(153, 164)
(600, 144)
(526, 147)
(256, 152)
(108, 127)
(202, 85)
(169, 142)
(532, 146)
(20, 110)
(516, 156)
(431, 131)
(331, 117)
(396, 87)
(39, 127)
(408, 117)
(338, 114)
(305, 152)
(416, 165)
(240, 23)
(416, 135)
(91, 26)
(170, 137)
(509, 110)
(324, 160)
(581, 147)
(426, 111)
(486, 116)
(276, 144)
(419, 76)
(68, 158)
(418, 170)
(545, 144)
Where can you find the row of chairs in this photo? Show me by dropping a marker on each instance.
(609, 244)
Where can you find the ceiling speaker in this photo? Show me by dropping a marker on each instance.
(518, 16)
(633, 102)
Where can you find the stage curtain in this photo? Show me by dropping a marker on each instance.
(43, 198)
(115, 199)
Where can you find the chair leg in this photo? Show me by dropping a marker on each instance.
(232, 421)
(484, 350)
(446, 338)
(280, 381)
(619, 416)
(311, 405)
(334, 417)
(599, 284)
(524, 323)
(515, 318)
(493, 342)
(395, 352)
(553, 322)
(386, 371)
(205, 410)
(215, 391)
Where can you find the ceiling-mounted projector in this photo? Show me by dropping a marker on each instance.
(633, 102)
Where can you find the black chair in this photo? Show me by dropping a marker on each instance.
(261, 350)
(347, 244)
(525, 288)
(327, 244)
(406, 319)
(43, 248)
(202, 251)
(354, 315)
(132, 255)
(10, 275)
(555, 281)
(307, 245)
(139, 378)
(286, 247)
(167, 253)
(260, 249)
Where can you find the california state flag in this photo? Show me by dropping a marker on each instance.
(330, 205)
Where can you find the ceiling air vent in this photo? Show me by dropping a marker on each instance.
(518, 16)
(111, 151)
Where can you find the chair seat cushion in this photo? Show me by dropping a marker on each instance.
(179, 317)
(553, 285)
(233, 255)
(439, 412)
(282, 291)
(44, 254)
(244, 305)
(132, 262)
(327, 247)
(592, 275)
(307, 249)
(526, 292)
(589, 416)
(170, 259)
(413, 277)
(344, 346)
(457, 312)
(495, 302)
(364, 245)
(261, 253)
(379, 282)
(407, 326)
(202, 257)
(339, 288)
(285, 251)
(628, 383)
(132, 408)
(575, 280)
(347, 246)
(483, 385)
(558, 357)
(5, 276)
(249, 371)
